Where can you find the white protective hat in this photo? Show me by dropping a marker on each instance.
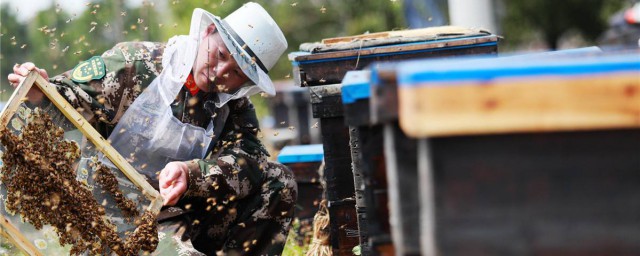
(254, 40)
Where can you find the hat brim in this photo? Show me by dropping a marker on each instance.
(242, 57)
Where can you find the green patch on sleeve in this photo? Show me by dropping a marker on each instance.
(88, 70)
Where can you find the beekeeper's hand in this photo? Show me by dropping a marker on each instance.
(173, 182)
(20, 72)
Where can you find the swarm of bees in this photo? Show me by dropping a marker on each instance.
(109, 183)
(40, 155)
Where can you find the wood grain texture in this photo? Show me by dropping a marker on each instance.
(399, 48)
(432, 31)
(403, 186)
(542, 104)
(555, 193)
(13, 234)
(14, 101)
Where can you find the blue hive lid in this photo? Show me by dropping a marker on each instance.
(442, 71)
(301, 153)
(355, 86)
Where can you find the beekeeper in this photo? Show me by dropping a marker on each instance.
(180, 113)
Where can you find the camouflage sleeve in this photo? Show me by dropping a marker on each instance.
(130, 67)
(239, 158)
(238, 201)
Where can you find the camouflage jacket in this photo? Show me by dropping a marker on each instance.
(226, 191)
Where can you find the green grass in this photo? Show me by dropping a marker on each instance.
(298, 239)
(7, 248)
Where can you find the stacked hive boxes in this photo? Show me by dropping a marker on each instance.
(322, 71)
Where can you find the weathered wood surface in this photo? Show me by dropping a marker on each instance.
(359, 188)
(337, 168)
(356, 166)
(344, 226)
(357, 113)
(375, 190)
(432, 31)
(326, 101)
(403, 183)
(384, 94)
(330, 67)
(339, 185)
(366, 155)
(560, 193)
(526, 105)
(309, 188)
(401, 49)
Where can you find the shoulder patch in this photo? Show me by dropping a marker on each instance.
(88, 70)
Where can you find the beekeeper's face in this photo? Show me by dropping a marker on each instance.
(215, 70)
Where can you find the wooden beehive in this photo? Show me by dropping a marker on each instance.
(292, 116)
(328, 62)
(92, 147)
(525, 156)
(305, 161)
(323, 70)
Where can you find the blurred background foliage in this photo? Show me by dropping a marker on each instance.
(548, 21)
(57, 40)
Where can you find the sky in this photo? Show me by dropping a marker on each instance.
(28, 8)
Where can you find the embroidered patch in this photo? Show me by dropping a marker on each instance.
(88, 70)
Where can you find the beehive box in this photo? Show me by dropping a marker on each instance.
(371, 193)
(526, 156)
(322, 70)
(292, 116)
(305, 161)
(326, 104)
(92, 148)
